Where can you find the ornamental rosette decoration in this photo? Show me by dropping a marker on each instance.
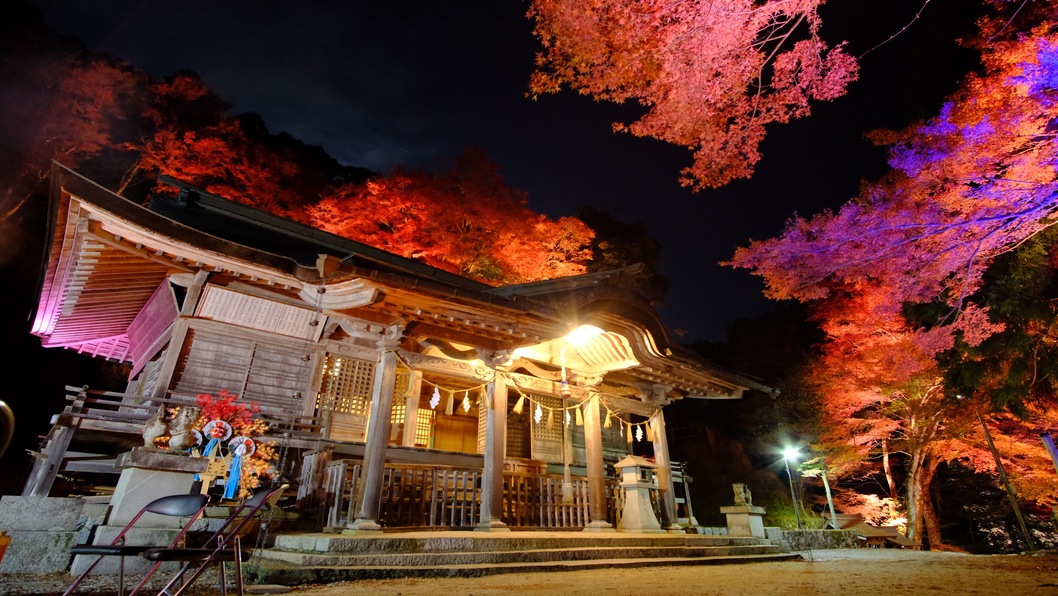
(225, 428)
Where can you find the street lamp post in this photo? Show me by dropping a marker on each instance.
(787, 455)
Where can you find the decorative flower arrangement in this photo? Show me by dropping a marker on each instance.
(225, 428)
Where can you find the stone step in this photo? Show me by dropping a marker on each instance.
(414, 542)
(541, 555)
(319, 557)
(277, 572)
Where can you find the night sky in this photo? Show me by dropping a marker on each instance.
(411, 83)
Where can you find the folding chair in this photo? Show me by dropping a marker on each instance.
(223, 546)
(189, 506)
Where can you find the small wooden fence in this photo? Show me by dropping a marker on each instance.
(424, 496)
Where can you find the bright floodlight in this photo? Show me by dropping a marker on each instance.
(580, 336)
(791, 453)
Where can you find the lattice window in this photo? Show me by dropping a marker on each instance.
(398, 413)
(424, 427)
(547, 442)
(347, 384)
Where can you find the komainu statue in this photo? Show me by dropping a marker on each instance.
(182, 431)
(742, 494)
(155, 427)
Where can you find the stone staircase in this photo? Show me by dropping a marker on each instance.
(318, 558)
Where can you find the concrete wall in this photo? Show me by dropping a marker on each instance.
(42, 530)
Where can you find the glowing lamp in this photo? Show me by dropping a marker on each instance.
(582, 335)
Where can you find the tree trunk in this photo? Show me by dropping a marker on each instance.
(914, 497)
(930, 518)
(889, 478)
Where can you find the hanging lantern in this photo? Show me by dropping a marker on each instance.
(435, 399)
(518, 404)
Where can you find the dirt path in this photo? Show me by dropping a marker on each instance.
(845, 572)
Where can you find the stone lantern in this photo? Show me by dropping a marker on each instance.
(637, 479)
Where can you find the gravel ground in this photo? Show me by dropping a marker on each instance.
(821, 572)
(844, 572)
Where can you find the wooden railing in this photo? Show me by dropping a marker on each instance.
(113, 413)
(422, 496)
(126, 413)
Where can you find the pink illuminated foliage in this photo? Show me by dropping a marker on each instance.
(710, 75)
(968, 185)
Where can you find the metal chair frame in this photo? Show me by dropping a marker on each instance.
(185, 505)
(223, 546)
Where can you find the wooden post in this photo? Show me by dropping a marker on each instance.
(411, 409)
(495, 450)
(378, 434)
(664, 473)
(46, 465)
(1011, 493)
(596, 468)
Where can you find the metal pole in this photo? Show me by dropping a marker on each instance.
(1048, 442)
(1010, 489)
(793, 495)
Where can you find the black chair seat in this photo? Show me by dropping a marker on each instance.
(190, 506)
(113, 550)
(192, 554)
(218, 549)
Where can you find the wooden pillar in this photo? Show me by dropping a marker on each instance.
(495, 450)
(377, 434)
(411, 410)
(664, 471)
(47, 464)
(596, 467)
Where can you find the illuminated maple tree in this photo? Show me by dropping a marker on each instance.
(710, 75)
(970, 184)
(59, 105)
(882, 395)
(467, 221)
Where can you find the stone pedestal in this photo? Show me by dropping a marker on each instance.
(42, 530)
(637, 479)
(146, 475)
(744, 520)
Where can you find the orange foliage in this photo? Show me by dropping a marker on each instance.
(467, 221)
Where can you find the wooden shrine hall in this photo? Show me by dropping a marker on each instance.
(396, 395)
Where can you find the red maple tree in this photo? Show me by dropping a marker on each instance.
(60, 105)
(467, 221)
(710, 75)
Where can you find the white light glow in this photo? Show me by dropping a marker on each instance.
(582, 335)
